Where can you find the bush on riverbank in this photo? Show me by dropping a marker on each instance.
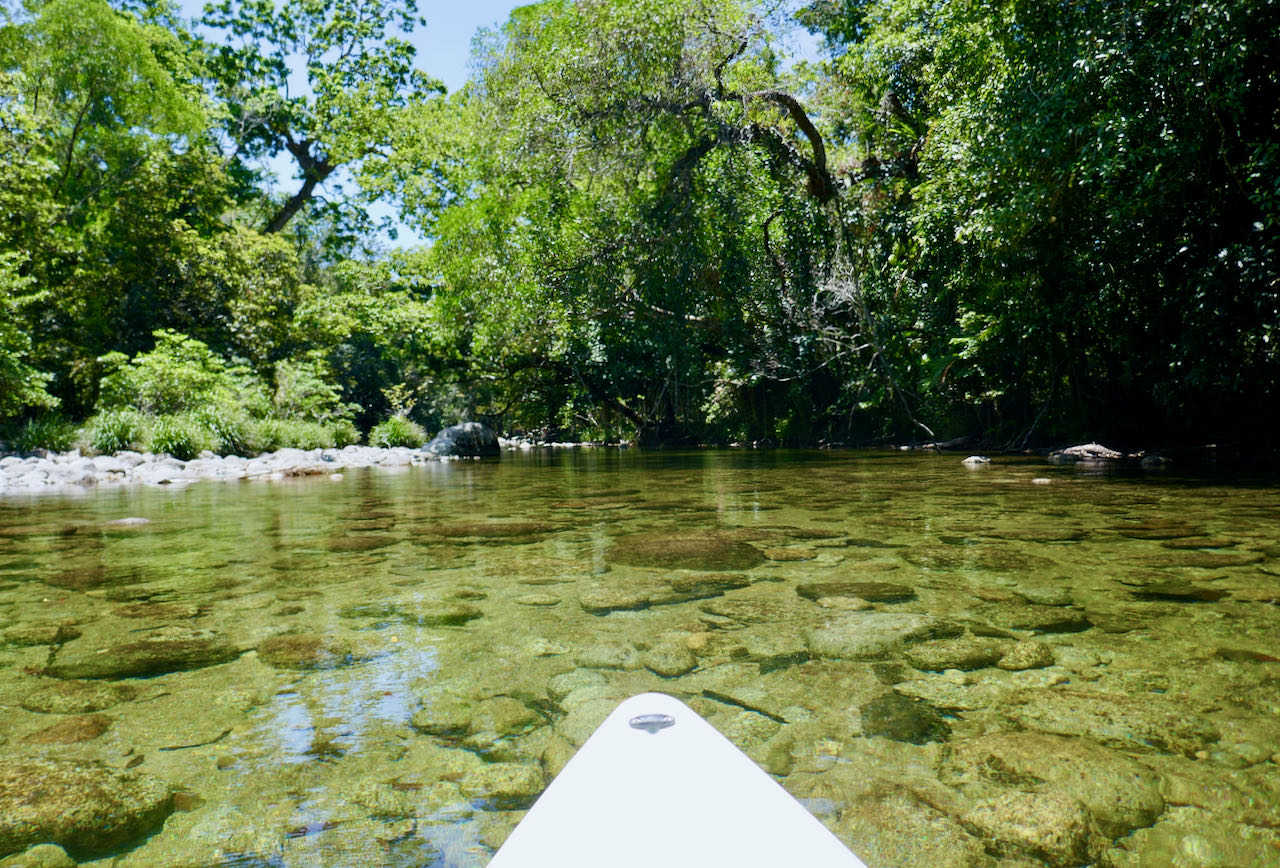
(397, 431)
(182, 399)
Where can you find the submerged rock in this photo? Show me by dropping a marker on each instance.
(604, 599)
(1148, 723)
(669, 658)
(1026, 655)
(443, 614)
(52, 696)
(1120, 794)
(965, 652)
(40, 856)
(1053, 828)
(71, 730)
(872, 592)
(506, 786)
(897, 828)
(1180, 592)
(41, 634)
(742, 611)
(166, 650)
(444, 714)
(88, 809)
(480, 530)
(903, 718)
(305, 651)
(1040, 619)
(875, 635)
(504, 716)
(709, 552)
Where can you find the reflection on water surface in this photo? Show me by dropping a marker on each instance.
(950, 666)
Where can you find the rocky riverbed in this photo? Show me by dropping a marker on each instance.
(948, 668)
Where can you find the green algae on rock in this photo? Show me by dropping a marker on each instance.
(167, 650)
(875, 635)
(706, 552)
(54, 696)
(305, 651)
(41, 634)
(872, 592)
(903, 718)
(88, 809)
(71, 730)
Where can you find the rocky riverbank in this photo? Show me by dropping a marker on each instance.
(69, 472)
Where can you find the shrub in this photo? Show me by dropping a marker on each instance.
(181, 374)
(45, 432)
(296, 434)
(397, 431)
(113, 430)
(303, 393)
(180, 435)
(233, 431)
(345, 433)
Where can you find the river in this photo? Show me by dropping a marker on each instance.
(948, 665)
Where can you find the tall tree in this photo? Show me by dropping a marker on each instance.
(356, 75)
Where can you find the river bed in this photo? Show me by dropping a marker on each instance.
(1015, 664)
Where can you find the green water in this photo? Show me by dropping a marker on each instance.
(454, 631)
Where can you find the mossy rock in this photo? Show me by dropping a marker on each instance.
(463, 530)
(88, 809)
(903, 718)
(53, 696)
(709, 552)
(41, 634)
(165, 651)
(872, 592)
(305, 651)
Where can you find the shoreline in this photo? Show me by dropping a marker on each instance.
(72, 472)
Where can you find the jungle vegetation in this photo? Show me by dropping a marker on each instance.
(1022, 221)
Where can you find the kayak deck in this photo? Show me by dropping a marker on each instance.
(656, 786)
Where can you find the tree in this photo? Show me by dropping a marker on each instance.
(1071, 200)
(630, 193)
(359, 76)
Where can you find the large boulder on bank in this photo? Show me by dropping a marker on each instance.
(465, 439)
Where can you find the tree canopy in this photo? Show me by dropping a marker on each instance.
(1015, 221)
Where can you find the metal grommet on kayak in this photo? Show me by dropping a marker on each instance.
(652, 723)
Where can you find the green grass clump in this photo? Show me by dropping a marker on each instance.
(397, 431)
(181, 435)
(296, 434)
(114, 431)
(232, 429)
(45, 432)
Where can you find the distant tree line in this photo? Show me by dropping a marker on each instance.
(1021, 221)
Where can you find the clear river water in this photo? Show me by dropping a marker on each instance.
(1011, 665)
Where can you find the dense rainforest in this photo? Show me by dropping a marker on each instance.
(1021, 221)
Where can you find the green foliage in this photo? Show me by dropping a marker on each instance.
(359, 72)
(182, 435)
(303, 434)
(397, 431)
(114, 431)
(181, 374)
(21, 385)
(304, 390)
(52, 432)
